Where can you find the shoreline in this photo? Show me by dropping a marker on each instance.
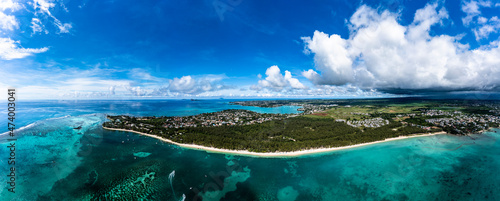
(274, 154)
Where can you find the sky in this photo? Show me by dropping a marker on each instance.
(110, 49)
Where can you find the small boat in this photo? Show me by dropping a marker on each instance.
(78, 128)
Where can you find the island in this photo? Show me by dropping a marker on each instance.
(321, 126)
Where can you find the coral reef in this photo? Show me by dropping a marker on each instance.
(287, 194)
(143, 178)
(142, 154)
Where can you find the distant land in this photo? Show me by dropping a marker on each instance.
(323, 125)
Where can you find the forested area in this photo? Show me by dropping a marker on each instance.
(333, 123)
(291, 134)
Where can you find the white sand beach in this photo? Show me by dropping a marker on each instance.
(275, 154)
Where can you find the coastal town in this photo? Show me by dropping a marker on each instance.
(451, 121)
(230, 117)
(372, 123)
(459, 123)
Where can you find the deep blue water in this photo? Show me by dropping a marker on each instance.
(57, 162)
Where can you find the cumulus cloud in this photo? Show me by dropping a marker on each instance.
(472, 9)
(276, 81)
(9, 5)
(380, 53)
(137, 91)
(184, 84)
(294, 82)
(8, 22)
(486, 27)
(481, 26)
(111, 90)
(192, 86)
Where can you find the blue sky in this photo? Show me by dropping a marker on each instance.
(70, 49)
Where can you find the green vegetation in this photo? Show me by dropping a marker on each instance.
(421, 120)
(289, 135)
(323, 124)
(364, 112)
(284, 135)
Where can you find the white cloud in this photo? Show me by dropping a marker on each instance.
(111, 90)
(481, 26)
(57, 81)
(471, 8)
(9, 5)
(92, 87)
(185, 84)
(63, 27)
(482, 20)
(9, 49)
(37, 26)
(294, 82)
(383, 54)
(88, 87)
(144, 75)
(190, 85)
(343, 91)
(43, 7)
(137, 91)
(276, 81)
(332, 58)
(313, 76)
(8, 22)
(486, 27)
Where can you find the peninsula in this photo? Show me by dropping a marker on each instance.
(323, 125)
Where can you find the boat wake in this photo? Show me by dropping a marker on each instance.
(170, 179)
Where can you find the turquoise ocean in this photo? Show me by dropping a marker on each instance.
(56, 162)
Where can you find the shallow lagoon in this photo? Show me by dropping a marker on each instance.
(57, 162)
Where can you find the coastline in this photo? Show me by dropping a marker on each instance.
(274, 154)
